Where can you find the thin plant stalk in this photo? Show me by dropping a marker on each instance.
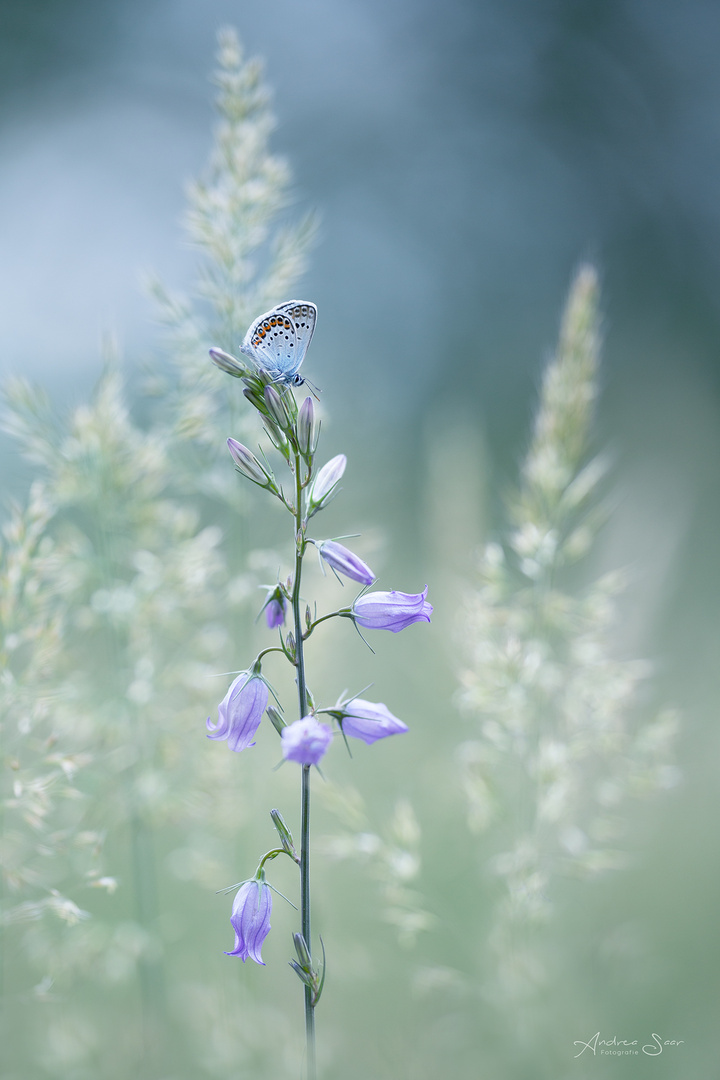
(293, 432)
(305, 789)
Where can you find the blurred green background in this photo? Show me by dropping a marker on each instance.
(464, 159)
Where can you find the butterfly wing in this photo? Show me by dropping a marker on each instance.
(304, 316)
(271, 342)
(277, 341)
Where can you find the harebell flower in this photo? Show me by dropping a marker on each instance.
(272, 352)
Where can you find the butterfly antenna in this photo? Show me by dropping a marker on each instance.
(314, 390)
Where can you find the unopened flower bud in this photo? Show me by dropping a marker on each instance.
(324, 484)
(283, 833)
(275, 719)
(275, 436)
(252, 382)
(249, 465)
(276, 407)
(391, 610)
(255, 399)
(228, 363)
(344, 561)
(306, 428)
(303, 953)
(305, 977)
(290, 644)
(369, 720)
(304, 969)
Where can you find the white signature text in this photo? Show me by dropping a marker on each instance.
(625, 1046)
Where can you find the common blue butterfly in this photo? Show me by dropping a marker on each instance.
(278, 340)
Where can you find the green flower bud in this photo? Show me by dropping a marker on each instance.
(276, 436)
(255, 399)
(276, 407)
(284, 834)
(303, 953)
(278, 723)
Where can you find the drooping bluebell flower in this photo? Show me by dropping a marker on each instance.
(274, 607)
(275, 612)
(345, 562)
(251, 920)
(240, 711)
(324, 484)
(369, 720)
(391, 610)
(305, 741)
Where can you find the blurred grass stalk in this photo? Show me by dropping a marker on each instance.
(562, 746)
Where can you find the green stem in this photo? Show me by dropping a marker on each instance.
(305, 793)
(272, 648)
(344, 613)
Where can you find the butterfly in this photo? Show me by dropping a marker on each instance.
(278, 340)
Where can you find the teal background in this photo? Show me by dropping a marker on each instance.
(464, 158)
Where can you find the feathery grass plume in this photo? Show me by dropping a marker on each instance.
(393, 856)
(132, 580)
(560, 747)
(45, 854)
(137, 582)
(142, 598)
(251, 258)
